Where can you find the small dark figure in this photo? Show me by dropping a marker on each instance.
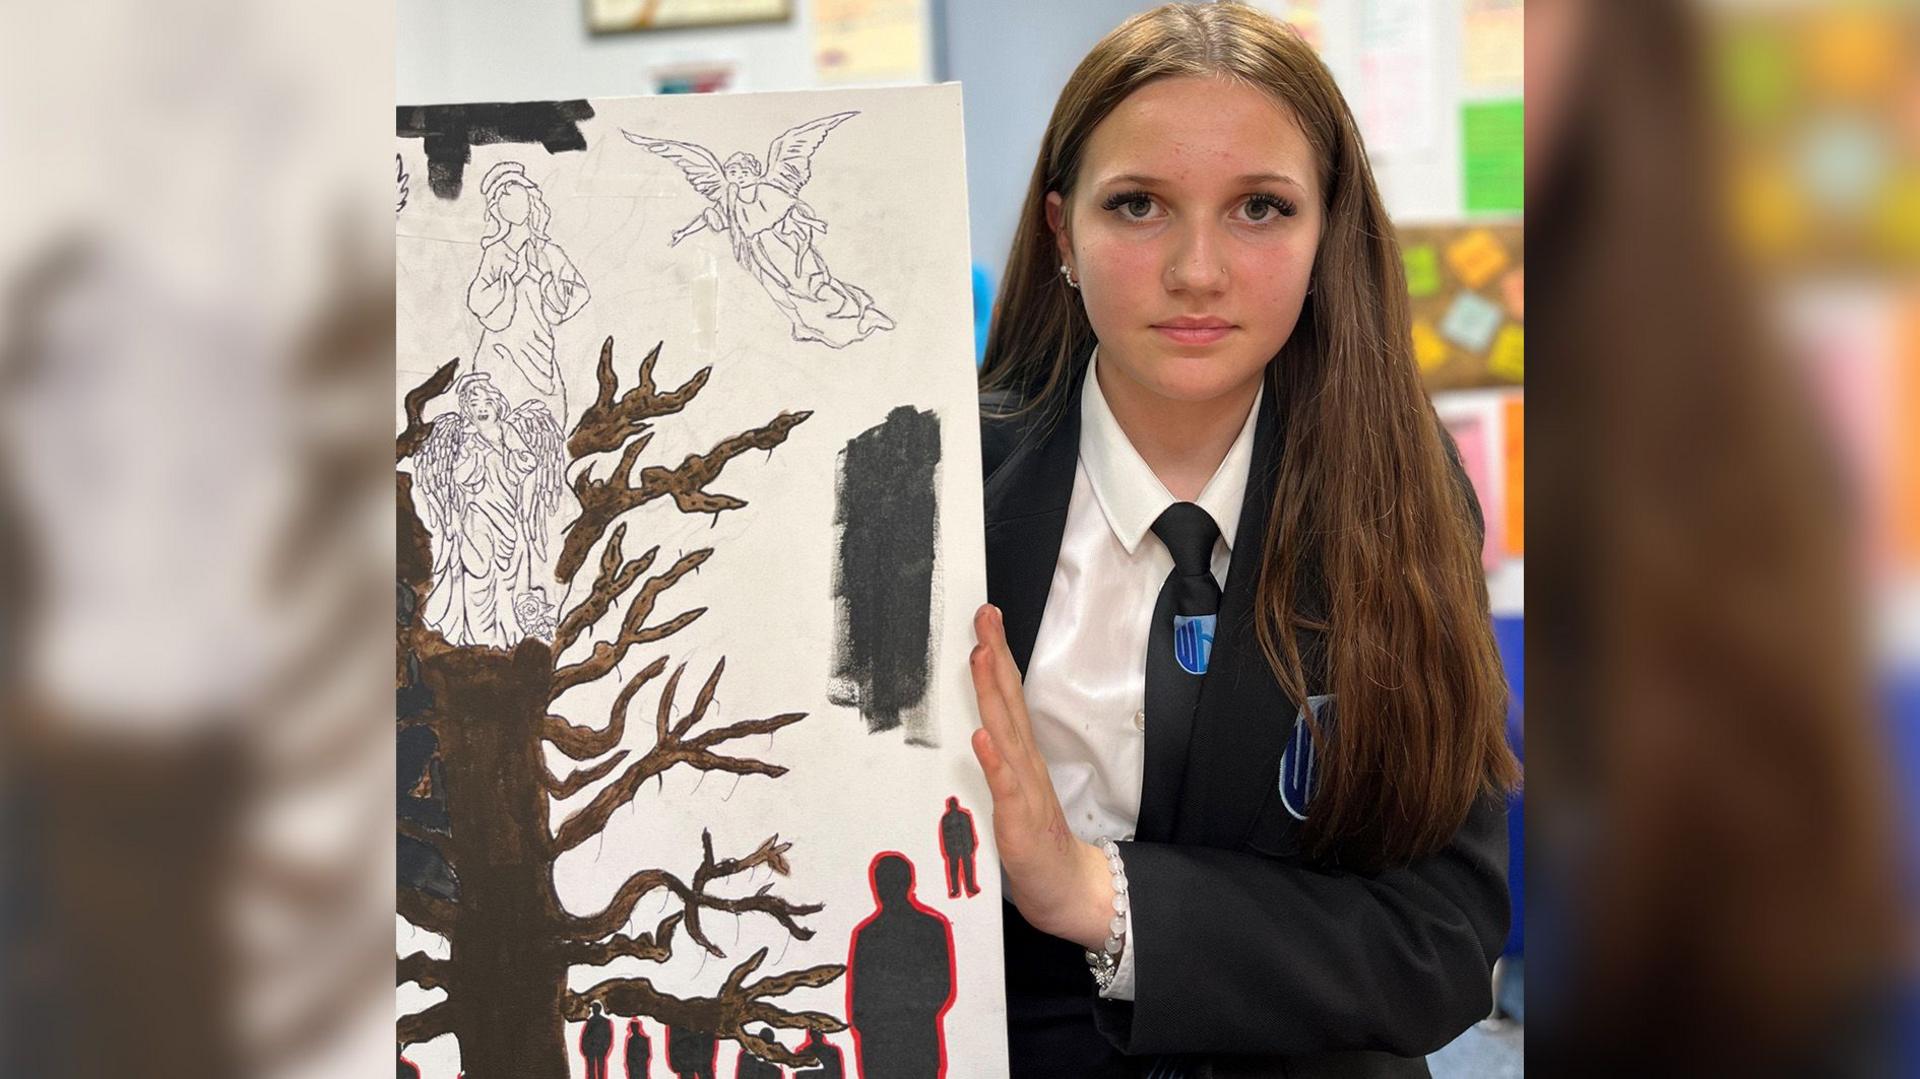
(832, 1065)
(596, 1042)
(752, 1067)
(408, 1069)
(639, 1050)
(958, 841)
(899, 979)
(691, 1053)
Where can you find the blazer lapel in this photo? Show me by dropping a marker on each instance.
(1026, 512)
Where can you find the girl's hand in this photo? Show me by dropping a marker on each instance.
(1060, 884)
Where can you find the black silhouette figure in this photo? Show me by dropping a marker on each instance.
(596, 1042)
(691, 1053)
(958, 841)
(899, 979)
(408, 1069)
(752, 1067)
(639, 1050)
(832, 1065)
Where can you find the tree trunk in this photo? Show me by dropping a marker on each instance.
(506, 974)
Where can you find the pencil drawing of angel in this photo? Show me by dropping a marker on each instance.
(773, 232)
(525, 286)
(491, 478)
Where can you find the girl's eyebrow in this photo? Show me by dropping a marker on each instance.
(1142, 180)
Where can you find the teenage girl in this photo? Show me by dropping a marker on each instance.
(1249, 795)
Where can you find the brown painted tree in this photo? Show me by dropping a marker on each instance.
(484, 794)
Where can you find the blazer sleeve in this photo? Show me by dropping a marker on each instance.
(1239, 952)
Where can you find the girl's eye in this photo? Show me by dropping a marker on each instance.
(1267, 207)
(1132, 205)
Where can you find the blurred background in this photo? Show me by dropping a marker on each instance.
(196, 321)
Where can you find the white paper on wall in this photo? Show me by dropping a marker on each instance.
(690, 542)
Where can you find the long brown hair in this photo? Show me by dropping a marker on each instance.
(1369, 552)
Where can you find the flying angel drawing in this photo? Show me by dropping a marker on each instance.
(773, 232)
(491, 478)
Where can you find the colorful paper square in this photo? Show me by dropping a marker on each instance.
(1476, 257)
(1423, 270)
(1514, 424)
(1493, 152)
(1508, 359)
(1428, 349)
(1470, 321)
(1513, 292)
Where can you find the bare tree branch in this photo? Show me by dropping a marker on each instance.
(688, 483)
(602, 501)
(611, 917)
(576, 782)
(725, 1015)
(418, 428)
(427, 1025)
(422, 970)
(613, 581)
(606, 424)
(670, 749)
(771, 853)
(656, 946)
(633, 628)
(586, 743)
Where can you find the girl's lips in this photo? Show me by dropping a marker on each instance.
(1205, 334)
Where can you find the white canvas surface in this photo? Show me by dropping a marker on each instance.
(888, 185)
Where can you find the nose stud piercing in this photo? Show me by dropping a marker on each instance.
(1066, 271)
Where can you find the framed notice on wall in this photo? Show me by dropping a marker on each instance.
(613, 16)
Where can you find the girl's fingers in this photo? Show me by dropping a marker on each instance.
(994, 717)
(989, 630)
(1003, 782)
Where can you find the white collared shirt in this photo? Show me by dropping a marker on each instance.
(1086, 686)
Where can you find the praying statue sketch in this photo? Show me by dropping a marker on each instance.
(491, 476)
(773, 232)
(524, 287)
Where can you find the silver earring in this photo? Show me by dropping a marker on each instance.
(1066, 271)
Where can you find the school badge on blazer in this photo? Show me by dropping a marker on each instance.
(1193, 641)
(1299, 768)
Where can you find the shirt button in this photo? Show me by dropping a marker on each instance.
(1140, 720)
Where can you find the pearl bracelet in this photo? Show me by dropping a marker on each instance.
(1105, 963)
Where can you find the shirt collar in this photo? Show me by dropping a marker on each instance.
(1130, 495)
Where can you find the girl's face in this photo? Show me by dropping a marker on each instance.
(1192, 231)
(513, 206)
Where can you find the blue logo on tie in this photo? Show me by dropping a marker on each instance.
(1193, 641)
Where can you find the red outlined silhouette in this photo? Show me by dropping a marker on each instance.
(692, 1054)
(638, 1050)
(596, 1041)
(832, 1065)
(899, 927)
(958, 842)
(749, 1066)
(407, 1069)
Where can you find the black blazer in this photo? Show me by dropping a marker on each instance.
(1250, 958)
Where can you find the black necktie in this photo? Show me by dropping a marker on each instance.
(1179, 644)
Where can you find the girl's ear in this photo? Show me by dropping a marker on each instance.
(1057, 222)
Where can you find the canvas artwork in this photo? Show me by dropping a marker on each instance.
(689, 544)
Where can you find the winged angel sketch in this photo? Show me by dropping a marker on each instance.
(491, 479)
(774, 232)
